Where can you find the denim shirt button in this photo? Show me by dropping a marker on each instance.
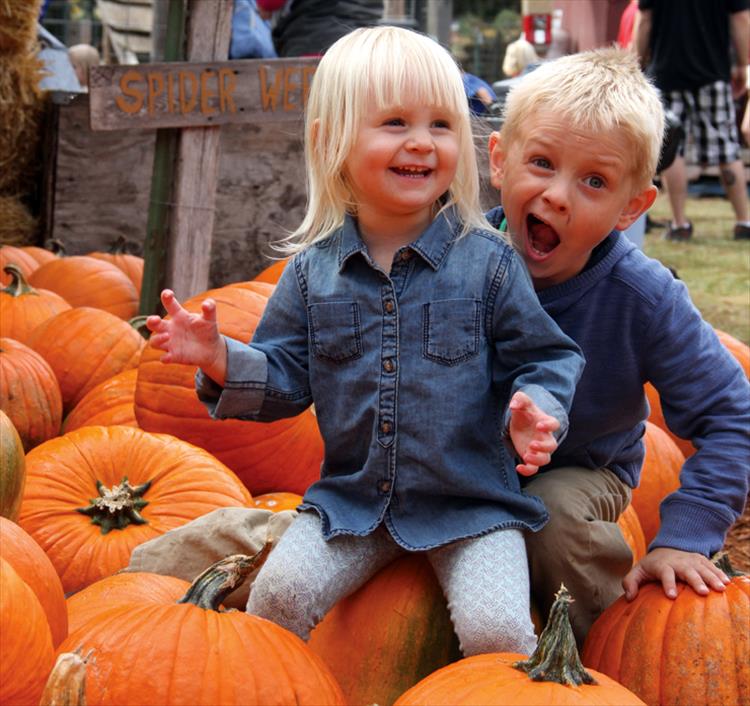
(389, 307)
(385, 427)
(384, 486)
(388, 365)
(405, 255)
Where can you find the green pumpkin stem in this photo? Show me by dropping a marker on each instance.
(213, 585)
(18, 284)
(721, 561)
(118, 506)
(556, 656)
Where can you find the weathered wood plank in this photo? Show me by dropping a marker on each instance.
(199, 93)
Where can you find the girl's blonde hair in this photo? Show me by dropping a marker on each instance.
(596, 90)
(387, 64)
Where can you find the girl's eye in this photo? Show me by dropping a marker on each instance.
(394, 121)
(596, 182)
(541, 162)
(442, 124)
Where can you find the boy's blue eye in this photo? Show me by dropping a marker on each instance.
(596, 182)
(541, 162)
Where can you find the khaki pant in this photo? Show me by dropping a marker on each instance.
(582, 545)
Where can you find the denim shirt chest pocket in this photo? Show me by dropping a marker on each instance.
(451, 330)
(335, 331)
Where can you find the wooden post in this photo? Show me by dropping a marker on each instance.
(194, 196)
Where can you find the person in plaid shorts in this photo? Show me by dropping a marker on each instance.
(684, 45)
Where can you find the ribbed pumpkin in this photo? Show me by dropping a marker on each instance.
(389, 634)
(27, 258)
(691, 650)
(110, 402)
(34, 567)
(552, 676)
(276, 502)
(272, 273)
(283, 455)
(95, 493)
(12, 468)
(29, 393)
(23, 308)
(27, 652)
(659, 477)
(88, 281)
(190, 653)
(131, 265)
(631, 529)
(125, 588)
(85, 346)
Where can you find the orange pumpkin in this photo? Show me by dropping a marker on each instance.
(110, 402)
(27, 652)
(659, 477)
(94, 494)
(691, 650)
(190, 653)
(122, 589)
(389, 634)
(86, 281)
(29, 393)
(23, 308)
(282, 455)
(85, 346)
(26, 257)
(552, 676)
(34, 567)
(131, 265)
(276, 502)
(631, 529)
(12, 468)
(272, 273)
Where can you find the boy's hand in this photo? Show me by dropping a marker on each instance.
(189, 338)
(531, 433)
(667, 565)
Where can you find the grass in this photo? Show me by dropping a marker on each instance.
(715, 268)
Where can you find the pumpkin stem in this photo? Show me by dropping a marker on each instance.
(66, 684)
(55, 246)
(721, 561)
(118, 506)
(213, 585)
(18, 284)
(139, 324)
(556, 656)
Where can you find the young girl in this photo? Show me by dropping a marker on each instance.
(415, 331)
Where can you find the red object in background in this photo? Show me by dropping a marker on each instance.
(537, 29)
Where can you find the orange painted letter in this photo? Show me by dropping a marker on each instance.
(126, 81)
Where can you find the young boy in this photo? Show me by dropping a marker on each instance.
(574, 161)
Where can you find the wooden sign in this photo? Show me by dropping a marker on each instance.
(198, 94)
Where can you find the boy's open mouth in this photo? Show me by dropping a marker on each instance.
(543, 238)
(413, 172)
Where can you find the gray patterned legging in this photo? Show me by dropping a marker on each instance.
(485, 580)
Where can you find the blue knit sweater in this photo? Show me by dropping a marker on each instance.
(635, 323)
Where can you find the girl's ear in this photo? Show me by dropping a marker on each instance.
(638, 205)
(497, 159)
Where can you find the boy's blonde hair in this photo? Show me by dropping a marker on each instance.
(387, 64)
(596, 90)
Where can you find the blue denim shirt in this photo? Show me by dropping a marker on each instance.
(411, 372)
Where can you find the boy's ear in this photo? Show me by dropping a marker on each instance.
(497, 159)
(639, 204)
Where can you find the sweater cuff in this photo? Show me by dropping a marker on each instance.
(691, 528)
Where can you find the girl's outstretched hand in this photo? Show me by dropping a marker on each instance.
(192, 339)
(531, 431)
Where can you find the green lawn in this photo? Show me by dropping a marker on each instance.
(715, 268)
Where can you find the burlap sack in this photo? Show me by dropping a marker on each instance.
(186, 551)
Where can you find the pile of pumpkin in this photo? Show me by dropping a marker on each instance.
(104, 447)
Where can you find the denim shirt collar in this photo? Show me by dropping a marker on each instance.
(432, 245)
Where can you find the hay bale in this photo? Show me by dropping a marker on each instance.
(18, 25)
(17, 225)
(737, 544)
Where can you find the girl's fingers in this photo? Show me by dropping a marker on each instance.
(170, 303)
(153, 323)
(208, 307)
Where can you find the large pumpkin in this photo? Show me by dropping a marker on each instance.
(110, 402)
(34, 567)
(688, 650)
(23, 308)
(389, 634)
(276, 502)
(29, 393)
(94, 494)
(27, 258)
(12, 468)
(284, 455)
(86, 281)
(131, 265)
(27, 652)
(659, 477)
(85, 346)
(190, 653)
(552, 676)
(272, 273)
